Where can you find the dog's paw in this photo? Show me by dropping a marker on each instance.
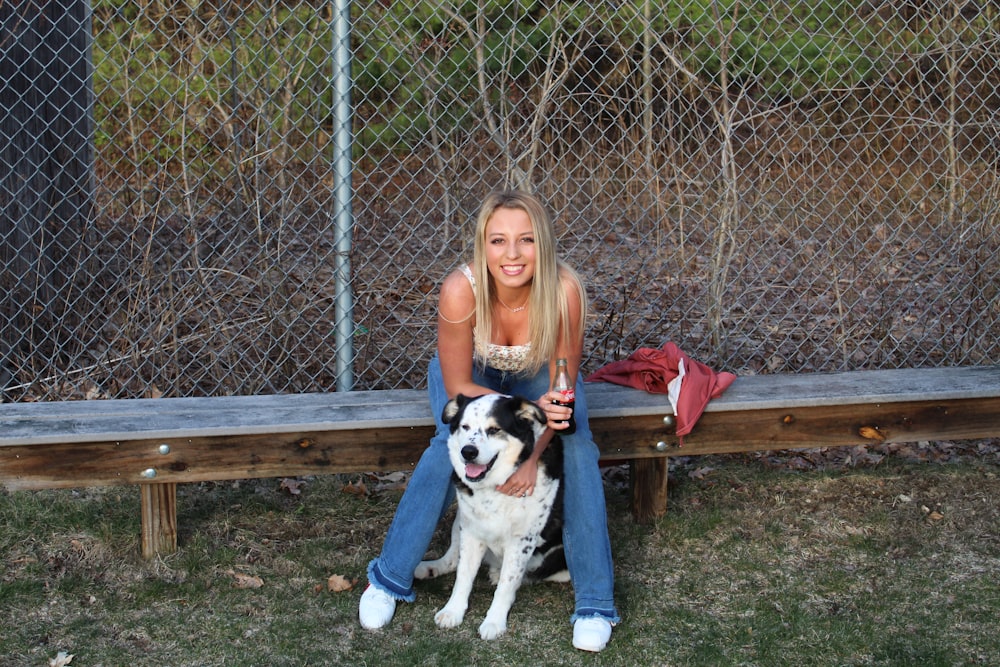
(449, 618)
(492, 629)
(426, 570)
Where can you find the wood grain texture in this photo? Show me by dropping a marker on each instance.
(835, 425)
(159, 519)
(88, 443)
(648, 484)
(220, 416)
(159, 443)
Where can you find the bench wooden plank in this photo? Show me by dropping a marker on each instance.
(763, 392)
(197, 439)
(65, 445)
(208, 458)
(838, 425)
(158, 443)
(178, 418)
(197, 417)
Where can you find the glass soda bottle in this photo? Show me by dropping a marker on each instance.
(562, 384)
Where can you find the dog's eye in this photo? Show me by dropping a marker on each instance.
(465, 427)
(492, 431)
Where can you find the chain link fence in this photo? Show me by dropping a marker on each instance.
(773, 186)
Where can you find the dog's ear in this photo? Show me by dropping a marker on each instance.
(453, 407)
(530, 411)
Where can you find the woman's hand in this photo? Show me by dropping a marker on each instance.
(557, 415)
(522, 481)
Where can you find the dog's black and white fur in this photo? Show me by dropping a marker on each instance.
(521, 538)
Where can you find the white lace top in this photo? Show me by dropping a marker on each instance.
(507, 358)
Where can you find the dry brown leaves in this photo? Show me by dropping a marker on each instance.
(241, 580)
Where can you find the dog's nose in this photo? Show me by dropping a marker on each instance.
(469, 453)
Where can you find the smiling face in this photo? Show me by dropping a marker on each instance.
(510, 250)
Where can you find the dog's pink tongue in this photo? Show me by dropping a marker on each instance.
(474, 470)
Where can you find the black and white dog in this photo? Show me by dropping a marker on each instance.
(521, 538)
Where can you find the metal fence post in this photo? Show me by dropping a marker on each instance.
(343, 192)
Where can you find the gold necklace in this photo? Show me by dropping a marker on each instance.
(514, 310)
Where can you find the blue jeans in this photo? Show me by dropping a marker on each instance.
(430, 492)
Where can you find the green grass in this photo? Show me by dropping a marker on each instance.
(893, 565)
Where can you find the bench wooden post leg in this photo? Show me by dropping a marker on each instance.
(159, 519)
(648, 479)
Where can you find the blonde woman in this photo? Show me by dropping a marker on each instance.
(503, 320)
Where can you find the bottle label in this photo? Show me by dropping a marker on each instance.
(569, 395)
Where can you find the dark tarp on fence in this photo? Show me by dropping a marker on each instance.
(46, 173)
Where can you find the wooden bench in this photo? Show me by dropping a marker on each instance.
(159, 443)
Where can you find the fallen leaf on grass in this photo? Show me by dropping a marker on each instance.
(245, 580)
(799, 463)
(292, 486)
(356, 489)
(701, 473)
(61, 660)
(392, 480)
(338, 583)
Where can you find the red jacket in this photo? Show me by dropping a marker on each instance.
(689, 384)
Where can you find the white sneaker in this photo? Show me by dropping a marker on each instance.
(376, 608)
(591, 634)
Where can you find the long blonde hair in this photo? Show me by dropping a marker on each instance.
(547, 309)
